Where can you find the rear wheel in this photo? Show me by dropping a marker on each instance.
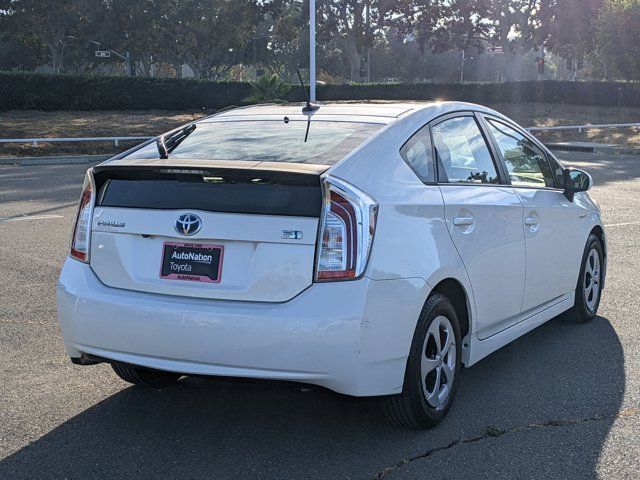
(432, 370)
(144, 376)
(589, 288)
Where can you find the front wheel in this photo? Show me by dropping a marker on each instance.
(432, 369)
(589, 288)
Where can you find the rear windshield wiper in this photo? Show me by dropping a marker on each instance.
(168, 143)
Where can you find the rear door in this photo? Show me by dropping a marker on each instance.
(227, 234)
(552, 224)
(484, 218)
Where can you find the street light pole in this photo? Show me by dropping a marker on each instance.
(312, 50)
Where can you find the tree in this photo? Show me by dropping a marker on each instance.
(138, 27)
(354, 25)
(281, 29)
(54, 26)
(19, 54)
(618, 30)
(213, 35)
(569, 27)
(419, 22)
(513, 25)
(439, 25)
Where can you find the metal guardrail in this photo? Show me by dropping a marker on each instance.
(35, 141)
(580, 128)
(117, 140)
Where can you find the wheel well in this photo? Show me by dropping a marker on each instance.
(598, 232)
(452, 289)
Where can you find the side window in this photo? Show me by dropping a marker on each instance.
(417, 152)
(527, 164)
(462, 152)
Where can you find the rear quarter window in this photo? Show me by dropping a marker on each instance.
(418, 154)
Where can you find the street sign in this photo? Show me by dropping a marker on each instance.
(103, 53)
(495, 50)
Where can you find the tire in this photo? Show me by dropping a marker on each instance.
(144, 376)
(422, 404)
(587, 300)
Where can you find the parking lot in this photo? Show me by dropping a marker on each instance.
(561, 402)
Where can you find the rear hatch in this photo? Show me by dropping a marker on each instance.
(246, 232)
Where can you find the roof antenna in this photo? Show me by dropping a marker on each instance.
(310, 106)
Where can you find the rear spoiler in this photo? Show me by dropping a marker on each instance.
(199, 164)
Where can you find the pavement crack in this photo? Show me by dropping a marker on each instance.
(494, 432)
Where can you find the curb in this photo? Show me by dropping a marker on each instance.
(598, 149)
(32, 161)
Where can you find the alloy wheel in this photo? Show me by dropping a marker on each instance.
(438, 363)
(592, 280)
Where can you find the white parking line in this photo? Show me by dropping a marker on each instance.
(29, 217)
(622, 224)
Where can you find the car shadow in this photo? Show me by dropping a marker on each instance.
(559, 374)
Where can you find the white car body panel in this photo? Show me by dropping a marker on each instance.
(337, 335)
(558, 225)
(272, 321)
(492, 249)
(257, 265)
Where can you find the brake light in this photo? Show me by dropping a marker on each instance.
(82, 229)
(348, 223)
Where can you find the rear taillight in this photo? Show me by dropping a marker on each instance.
(82, 229)
(347, 226)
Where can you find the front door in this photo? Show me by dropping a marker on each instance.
(484, 218)
(551, 222)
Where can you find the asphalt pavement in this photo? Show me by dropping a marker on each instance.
(561, 402)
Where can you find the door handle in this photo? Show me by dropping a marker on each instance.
(463, 221)
(531, 221)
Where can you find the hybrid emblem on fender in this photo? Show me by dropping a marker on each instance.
(188, 224)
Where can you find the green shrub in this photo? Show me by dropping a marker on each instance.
(67, 92)
(578, 93)
(268, 88)
(70, 92)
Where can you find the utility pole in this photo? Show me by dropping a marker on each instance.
(368, 22)
(312, 50)
(462, 67)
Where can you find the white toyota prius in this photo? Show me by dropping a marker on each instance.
(372, 249)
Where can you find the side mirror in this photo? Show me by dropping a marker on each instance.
(576, 181)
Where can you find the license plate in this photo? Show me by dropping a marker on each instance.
(192, 262)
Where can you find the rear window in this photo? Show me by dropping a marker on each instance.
(227, 191)
(269, 141)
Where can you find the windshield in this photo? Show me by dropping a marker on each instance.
(269, 141)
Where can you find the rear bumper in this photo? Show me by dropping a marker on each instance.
(351, 337)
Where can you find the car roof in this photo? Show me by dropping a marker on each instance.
(373, 109)
(362, 112)
(375, 112)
